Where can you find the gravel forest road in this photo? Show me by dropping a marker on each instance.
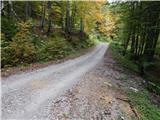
(27, 95)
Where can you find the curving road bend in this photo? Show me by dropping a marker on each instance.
(25, 95)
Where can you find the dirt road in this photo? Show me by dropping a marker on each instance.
(30, 95)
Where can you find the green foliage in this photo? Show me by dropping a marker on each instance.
(157, 52)
(8, 27)
(27, 47)
(82, 43)
(5, 51)
(123, 60)
(142, 103)
(57, 47)
(54, 48)
(147, 64)
(153, 87)
(137, 27)
(20, 49)
(26, 37)
(153, 82)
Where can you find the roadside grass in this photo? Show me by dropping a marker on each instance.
(140, 100)
(153, 83)
(123, 61)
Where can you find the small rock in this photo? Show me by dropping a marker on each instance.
(107, 112)
(110, 85)
(110, 102)
(58, 101)
(134, 89)
(122, 118)
(144, 81)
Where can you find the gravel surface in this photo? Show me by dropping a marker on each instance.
(31, 95)
(90, 87)
(95, 96)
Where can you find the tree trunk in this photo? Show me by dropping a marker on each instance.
(143, 39)
(9, 10)
(67, 22)
(81, 25)
(49, 17)
(73, 15)
(62, 18)
(2, 8)
(152, 35)
(126, 44)
(133, 32)
(26, 10)
(157, 33)
(136, 47)
(133, 41)
(43, 16)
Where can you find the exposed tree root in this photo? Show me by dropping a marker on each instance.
(131, 106)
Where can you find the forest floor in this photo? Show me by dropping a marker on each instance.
(90, 87)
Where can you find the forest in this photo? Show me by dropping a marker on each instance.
(138, 30)
(37, 32)
(41, 31)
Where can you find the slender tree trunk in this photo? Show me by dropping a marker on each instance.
(2, 8)
(81, 25)
(126, 44)
(152, 37)
(62, 18)
(73, 15)
(9, 10)
(49, 17)
(136, 46)
(43, 16)
(133, 32)
(133, 41)
(11, 13)
(29, 9)
(142, 44)
(157, 33)
(67, 22)
(26, 10)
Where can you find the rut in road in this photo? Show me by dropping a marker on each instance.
(23, 95)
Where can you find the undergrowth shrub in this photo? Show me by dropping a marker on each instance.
(27, 47)
(142, 103)
(5, 51)
(54, 48)
(20, 50)
(153, 83)
(81, 40)
(157, 52)
(123, 60)
(9, 28)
